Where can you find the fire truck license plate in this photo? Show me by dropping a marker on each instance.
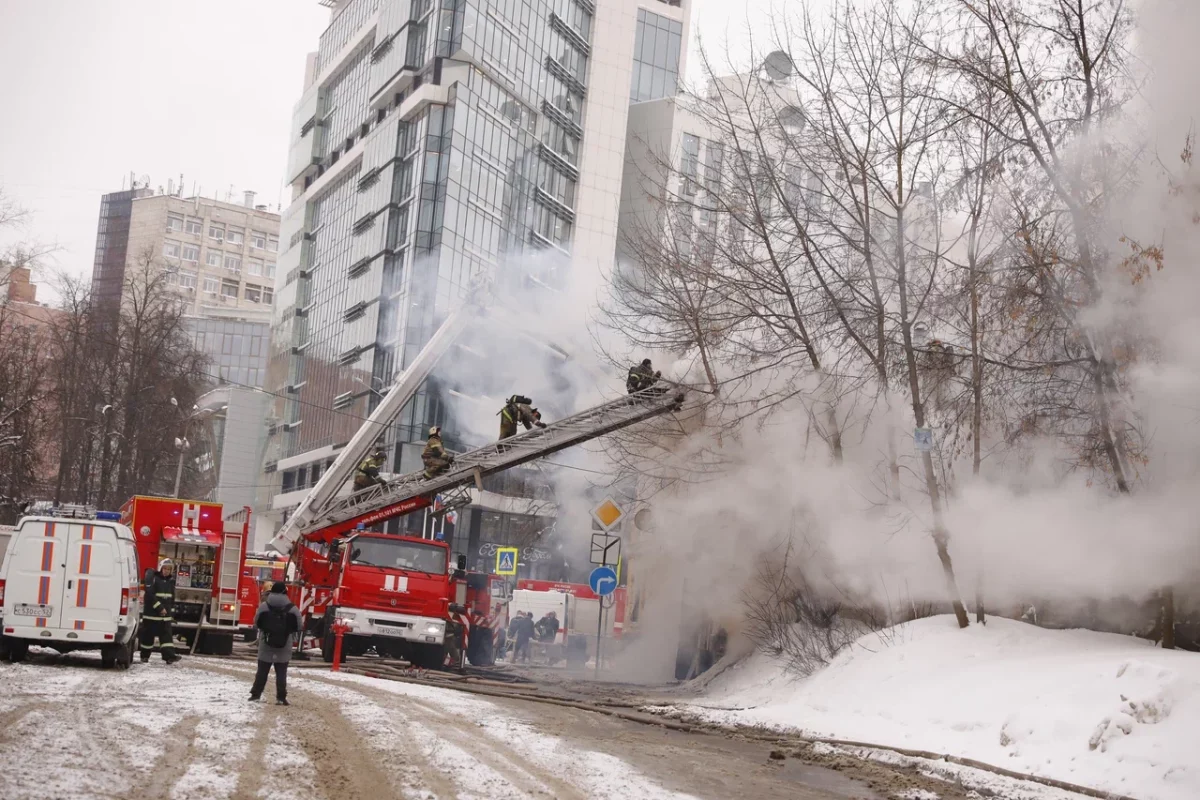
(27, 610)
(389, 631)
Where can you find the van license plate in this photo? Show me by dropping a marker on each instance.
(27, 610)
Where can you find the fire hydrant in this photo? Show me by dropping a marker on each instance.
(340, 627)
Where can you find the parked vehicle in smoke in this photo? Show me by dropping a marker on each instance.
(71, 582)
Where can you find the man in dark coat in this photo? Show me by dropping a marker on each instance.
(524, 635)
(277, 609)
(158, 612)
(547, 627)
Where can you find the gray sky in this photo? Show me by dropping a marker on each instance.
(95, 89)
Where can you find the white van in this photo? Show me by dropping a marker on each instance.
(71, 584)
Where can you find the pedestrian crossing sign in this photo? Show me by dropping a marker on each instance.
(506, 561)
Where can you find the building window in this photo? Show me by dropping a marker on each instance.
(211, 285)
(235, 235)
(270, 270)
(174, 223)
(657, 42)
(216, 232)
(187, 279)
(229, 289)
(171, 249)
(253, 293)
(690, 163)
(215, 258)
(195, 226)
(258, 240)
(712, 166)
(191, 252)
(273, 244)
(254, 266)
(268, 295)
(233, 263)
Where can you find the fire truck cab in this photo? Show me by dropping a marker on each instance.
(396, 594)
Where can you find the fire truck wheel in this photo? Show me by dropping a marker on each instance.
(428, 656)
(250, 635)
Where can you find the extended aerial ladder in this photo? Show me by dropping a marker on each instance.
(324, 515)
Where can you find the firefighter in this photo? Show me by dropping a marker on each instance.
(159, 605)
(518, 409)
(641, 377)
(434, 456)
(368, 471)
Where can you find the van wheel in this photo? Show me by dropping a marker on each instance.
(109, 656)
(17, 650)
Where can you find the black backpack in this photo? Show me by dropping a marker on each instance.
(277, 624)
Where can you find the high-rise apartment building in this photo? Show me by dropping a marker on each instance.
(217, 255)
(434, 140)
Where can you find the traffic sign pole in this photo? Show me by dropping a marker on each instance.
(599, 632)
(603, 581)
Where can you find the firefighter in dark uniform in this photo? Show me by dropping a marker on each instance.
(368, 471)
(518, 409)
(158, 609)
(641, 377)
(434, 456)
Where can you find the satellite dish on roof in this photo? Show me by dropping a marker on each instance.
(778, 66)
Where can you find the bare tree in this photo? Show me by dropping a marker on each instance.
(124, 381)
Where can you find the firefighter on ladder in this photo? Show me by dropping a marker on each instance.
(368, 471)
(434, 456)
(159, 605)
(641, 376)
(518, 409)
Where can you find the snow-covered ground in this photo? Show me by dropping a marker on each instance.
(1098, 710)
(69, 729)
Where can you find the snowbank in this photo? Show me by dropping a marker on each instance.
(1099, 710)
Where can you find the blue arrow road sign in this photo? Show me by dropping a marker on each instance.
(603, 581)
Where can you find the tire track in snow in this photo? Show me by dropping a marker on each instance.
(323, 704)
(465, 734)
(9, 720)
(340, 756)
(250, 775)
(177, 756)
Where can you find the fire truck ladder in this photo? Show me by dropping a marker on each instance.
(414, 491)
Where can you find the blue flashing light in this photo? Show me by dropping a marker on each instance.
(109, 516)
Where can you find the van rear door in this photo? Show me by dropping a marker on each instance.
(35, 579)
(92, 593)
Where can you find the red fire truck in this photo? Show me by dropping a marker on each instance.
(399, 593)
(259, 570)
(401, 596)
(208, 555)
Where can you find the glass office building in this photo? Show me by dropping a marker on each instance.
(435, 139)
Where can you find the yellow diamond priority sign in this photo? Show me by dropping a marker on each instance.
(608, 513)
